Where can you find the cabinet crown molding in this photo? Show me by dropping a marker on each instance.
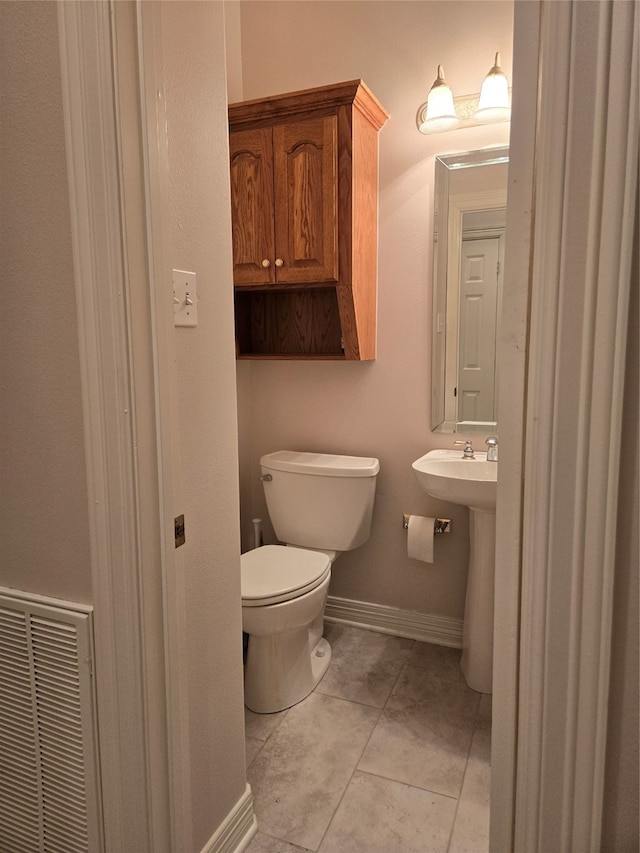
(277, 108)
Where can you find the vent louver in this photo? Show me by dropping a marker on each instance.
(48, 781)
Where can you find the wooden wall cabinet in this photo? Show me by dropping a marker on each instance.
(304, 203)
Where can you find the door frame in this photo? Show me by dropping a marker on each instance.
(562, 383)
(110, 56)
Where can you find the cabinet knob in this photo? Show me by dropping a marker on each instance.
(266, 263)
(279, 262)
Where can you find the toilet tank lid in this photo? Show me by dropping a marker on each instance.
(322, 464)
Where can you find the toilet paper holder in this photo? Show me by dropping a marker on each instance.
(443, 525)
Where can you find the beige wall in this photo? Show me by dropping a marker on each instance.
(379, 408)
(43, 494)
(200, 224)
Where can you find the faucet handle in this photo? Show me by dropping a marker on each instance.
(468, 447)
(492, 441)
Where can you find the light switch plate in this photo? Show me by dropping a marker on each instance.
(185, 298)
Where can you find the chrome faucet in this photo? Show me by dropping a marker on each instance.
(492, 448)
(467, 453)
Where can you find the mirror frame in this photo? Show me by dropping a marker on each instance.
(443, 359)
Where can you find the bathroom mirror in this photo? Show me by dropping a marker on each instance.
(470, 199)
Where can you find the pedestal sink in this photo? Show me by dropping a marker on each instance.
(448, 476)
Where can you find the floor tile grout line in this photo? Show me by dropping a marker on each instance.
(275, 728)
(249, 763)
(355, 701)
(407, 784)
(380, 775)
(362, 752)
(464, 775)
(380, 711)
(400, 669)
(475, 721)
(353, 772)
(455, 813)
(350, 702)
(395, 683)
(284, 841)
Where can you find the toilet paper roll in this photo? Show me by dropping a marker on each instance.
(420, 538)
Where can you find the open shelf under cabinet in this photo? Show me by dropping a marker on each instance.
(276, 324)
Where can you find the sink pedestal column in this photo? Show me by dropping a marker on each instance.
(477, 632)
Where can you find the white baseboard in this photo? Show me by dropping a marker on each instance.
(236, 831)
(440, 630)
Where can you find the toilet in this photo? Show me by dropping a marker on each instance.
(319, 504)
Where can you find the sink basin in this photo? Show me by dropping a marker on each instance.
(447, 475)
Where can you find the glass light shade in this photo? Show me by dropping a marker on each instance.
(494, 97)
(440, 113)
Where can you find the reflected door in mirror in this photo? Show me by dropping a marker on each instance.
(478, 307)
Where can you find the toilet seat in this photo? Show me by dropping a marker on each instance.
(275, 573)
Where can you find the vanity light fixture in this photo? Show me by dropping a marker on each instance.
(494, 97)
(439, 111)
(444, 112)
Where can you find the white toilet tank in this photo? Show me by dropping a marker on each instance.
(320, 500)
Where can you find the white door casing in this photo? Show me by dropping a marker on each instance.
(557, 496)
(130, 448)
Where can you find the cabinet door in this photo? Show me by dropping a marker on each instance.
(251, 166)
(305, 155)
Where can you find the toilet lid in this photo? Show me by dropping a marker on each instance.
(276, 573)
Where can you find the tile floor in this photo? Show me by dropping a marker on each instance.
(391, 752)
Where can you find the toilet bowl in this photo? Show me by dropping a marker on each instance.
(319, 505)
(284, 591)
